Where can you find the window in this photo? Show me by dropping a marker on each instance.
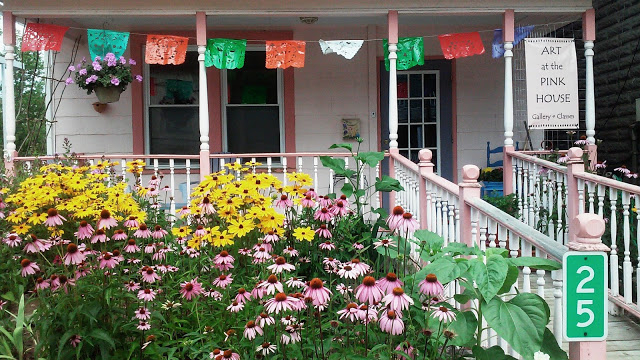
(252, 111)
(171, 99)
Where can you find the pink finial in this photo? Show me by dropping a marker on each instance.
(575, 154)
(589, 229)
(470, 173)
(425, 155)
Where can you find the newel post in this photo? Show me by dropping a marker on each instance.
(203, 100)
(426, 168)
(574, 165)
(9, 39)
(469, 188)
(588, 232)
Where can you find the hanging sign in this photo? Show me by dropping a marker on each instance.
(552, 83)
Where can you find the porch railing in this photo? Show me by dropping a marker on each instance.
(551, 194)
(456, 212)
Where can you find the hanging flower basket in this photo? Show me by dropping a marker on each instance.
(107, 94)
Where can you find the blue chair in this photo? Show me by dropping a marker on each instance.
(497, 150)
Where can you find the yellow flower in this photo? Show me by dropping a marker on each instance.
(240, 228)
(36, 219)
(301, 178)
(181, 231)
(303, 233)
(233, 166)
(21, 229)
(195, 242)
(222, 239)
(272, 220)
(136, 166)
(252, 163)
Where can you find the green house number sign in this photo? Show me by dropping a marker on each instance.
(585, 296)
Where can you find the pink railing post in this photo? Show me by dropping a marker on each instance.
(426, 168)
(592, 150)
(469, 188)
(574, 165)
(507, 173)
(392, 174)
(588, 232)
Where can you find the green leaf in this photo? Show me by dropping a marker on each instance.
(360, 193)
(372, 158)
(347, 189)
(463, 298)
(433, 240)
(461, 249)
(537, 309)
(512, 277)
(337, 165)
(492, 353)
(550, 347)
(445, 268)
(497, 251)
(19, 330)
(537, 263)
(343, 145)
(490, 276)
(517, 325)
(464, 326)
(102, 335)
(387, 184)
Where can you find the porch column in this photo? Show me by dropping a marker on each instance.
(9, 38)
(392, 19)
(508, 37)
(589, 36)
(203, 100)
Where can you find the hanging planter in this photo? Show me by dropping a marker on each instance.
(107, 94)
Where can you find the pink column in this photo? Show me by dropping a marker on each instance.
(469, 188)
(588, 231)
(507, 174)
(426, 168)
(592, 150)
(574, 165)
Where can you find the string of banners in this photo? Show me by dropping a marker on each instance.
(230, 53)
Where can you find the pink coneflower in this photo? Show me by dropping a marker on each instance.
(390, 322)
(191, 289)
(265, 319)
(563, 159)
(350, 312)
(397, 300)
(359, 266)
(284, 202)
(444, 314)
(144, 326)
(85, 231)
(235, 307)
(29, 267)
(206, 207)
(290, 251)
(42, 284)
(107, 260)
(323, 232)
(307, 201)
(601, 165)
(368, 292)
(149, 275)
(430, 286)
(158, 232)
(327, 245)
(200, 231)
(272, 285)
(146, 295)
(228, 355)
(223, 281)
(119, 235)
(2, 304)
(408, 224)
(299, 303)
(132, 222)
(184, 211)
(280, 266)
(266, 246)
(294, 335)
(344, 289)
(340, 208)
(330, 263)
(214, 294)
(323, 214)
(106, 221)
(75, 339)
(35, 245)
(251, 329)
(242, 296)
(53, 218)
(223, 258)
(99, 236)
(347, 271)
(258, 291)
(64, 282)
(142, 314)
(150, 248)
(325, 201)
(406, 348)
(395, 217)
(12, 240)
(312, 192)
(271, 236)
(317, 292)
(266, 348)
(261, 255)
(389, 282)
(143, 232)
(384, 243)
(132, 286)
(74, 255)
(294, 282)
(280, 302)
(357, 245)
(367, 313)
(131, 247)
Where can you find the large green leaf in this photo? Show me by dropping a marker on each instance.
(343, 145)
(347, 189)
(534, 262)
(464, 326)
(512, 277)
(537, 309)
(550, 347)
(445, 268)
(19, 330)
(337, 165)
(102, 335)
(432, 240)
(519, 326)
(371, 158)
(387, 184)
(489, 277)
(492, 353)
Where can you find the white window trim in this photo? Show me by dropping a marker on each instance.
(225, 99)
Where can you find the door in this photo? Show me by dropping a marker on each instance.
(424, 113)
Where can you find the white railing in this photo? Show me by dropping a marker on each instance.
(615, 201)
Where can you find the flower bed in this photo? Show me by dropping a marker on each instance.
(251, 269)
